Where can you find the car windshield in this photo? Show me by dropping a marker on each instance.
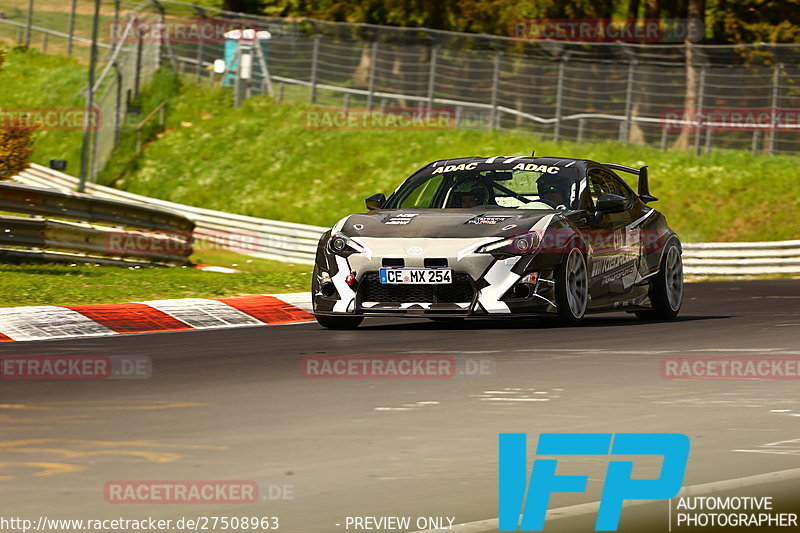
(486, 189)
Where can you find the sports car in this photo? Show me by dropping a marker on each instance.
(502, 237)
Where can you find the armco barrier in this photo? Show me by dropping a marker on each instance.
(742, 258)
(87, 228)
(269, 239)
(286, 241)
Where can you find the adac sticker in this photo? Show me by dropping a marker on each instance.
(486, 220)
(533, 167)
(454, 168)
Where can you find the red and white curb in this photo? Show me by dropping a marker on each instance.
(44, 322)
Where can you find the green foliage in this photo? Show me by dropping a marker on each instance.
(743, 21)
(15, 142)
(32, 80)
(771, 21)
(261, 160)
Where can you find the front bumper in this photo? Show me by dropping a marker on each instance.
(483, 285)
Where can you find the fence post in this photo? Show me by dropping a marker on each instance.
(559, 95)
(625, 131)
(432, 74)
(371, 87)
(93, 168)
(118, 111)
(663, 138)
(280, 92)
(162, 39)
(495, 89)
(346, 103)
(314, 62)
(776, 77)
(137, 75)
(71, 27)
(754, 144)
(237, 82)
(28, 25)
(580, 130)
(87, 154)
(458, 116)
(699, 111)
(44, 43)
(199, 55)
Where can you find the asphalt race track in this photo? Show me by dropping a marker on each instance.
(234, 405)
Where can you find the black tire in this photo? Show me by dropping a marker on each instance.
(339, 322)
(666, 287)
(572, 287)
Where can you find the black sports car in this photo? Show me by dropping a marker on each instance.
(502, 236)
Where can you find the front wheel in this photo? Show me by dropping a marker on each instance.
(339, 322)
(666, 287)
(572, 288)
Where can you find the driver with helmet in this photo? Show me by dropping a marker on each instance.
(470, 193)
(554, 190)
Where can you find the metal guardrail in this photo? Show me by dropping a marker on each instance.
(86, 228)
(297, 243)
(269, 239)
(75, 206)
(742, 258)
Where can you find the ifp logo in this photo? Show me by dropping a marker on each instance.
(520, 513)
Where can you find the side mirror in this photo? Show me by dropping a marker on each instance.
(375, 201)
(611, 203)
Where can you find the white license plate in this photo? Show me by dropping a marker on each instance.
(415, 276)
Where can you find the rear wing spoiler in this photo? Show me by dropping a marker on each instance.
(644, 186)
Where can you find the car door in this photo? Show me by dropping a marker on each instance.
(615, 249)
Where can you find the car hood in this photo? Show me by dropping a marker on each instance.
(443, 223)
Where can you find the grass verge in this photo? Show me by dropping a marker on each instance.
(51, 284)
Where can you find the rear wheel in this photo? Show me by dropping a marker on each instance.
(572, 287)
(339, 322)
(666, 287)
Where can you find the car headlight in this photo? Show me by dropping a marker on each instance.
(341, 244)
(516, 245)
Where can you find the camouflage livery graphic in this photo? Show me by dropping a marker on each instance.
(499, 237)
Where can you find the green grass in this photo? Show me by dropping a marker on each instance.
(86, 284)
(260, 160)
(32, 80)
(40, 81)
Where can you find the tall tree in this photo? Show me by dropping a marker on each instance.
(694, 13)
(632, 12)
